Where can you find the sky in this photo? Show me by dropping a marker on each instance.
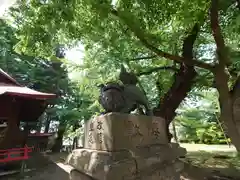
(76, 54)
(4, 5)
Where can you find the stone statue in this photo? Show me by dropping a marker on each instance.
(123, 98)
(111, 97)
(124, 146)
(127, 78)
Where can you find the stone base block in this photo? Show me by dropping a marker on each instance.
(147, 162)
(166, 174)
(115, 131)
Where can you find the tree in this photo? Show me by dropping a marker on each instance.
(48, 76)
(198, 119)
(149, 31)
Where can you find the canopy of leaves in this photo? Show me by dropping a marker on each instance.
(199, 122)
(44, 75)
(116, 32)
(121, 32)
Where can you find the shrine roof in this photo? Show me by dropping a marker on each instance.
(9, 86)
(23, 92)
(6, 78)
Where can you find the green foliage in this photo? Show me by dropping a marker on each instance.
(98, 25)
(49, 76)
(199, 122)
(115, 33)
(208, 133)
(111, 39)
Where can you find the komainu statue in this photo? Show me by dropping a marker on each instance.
(123, 146)
(123, 98)
(111, 97)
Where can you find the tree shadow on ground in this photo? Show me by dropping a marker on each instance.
(42, 169)
(51, 171)
(197, 166)
(211, 166)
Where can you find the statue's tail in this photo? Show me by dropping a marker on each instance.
(127, 77)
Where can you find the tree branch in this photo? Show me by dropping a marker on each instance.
(216, 31)
(157, 69)
(142, 58)
(160, 52)
(215, 24)
(188, 43)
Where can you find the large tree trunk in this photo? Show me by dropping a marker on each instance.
(40, 123)
(59, 140)
(221, 77)
(183, 82)
(47, 124)
(233, 124)
(75, 143)
(227, 109)
(174, 132)
(235, 99)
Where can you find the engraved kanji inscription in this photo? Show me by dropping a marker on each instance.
(91, 126)
(100, 137)
(133, 129)
(133, 132)
(136, 130)
(90, 138)
(155, 132)
(129, 128)
(99, 125)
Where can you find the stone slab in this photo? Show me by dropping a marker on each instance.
(102, 165)
(115, 131)
(105, 165)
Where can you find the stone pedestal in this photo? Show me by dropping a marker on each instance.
(122, 146)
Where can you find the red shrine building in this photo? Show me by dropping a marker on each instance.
(18, 104)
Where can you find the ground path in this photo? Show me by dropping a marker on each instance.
(55, 169)
(208, 148)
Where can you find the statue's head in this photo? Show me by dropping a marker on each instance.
(127, 77)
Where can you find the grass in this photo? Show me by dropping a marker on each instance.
(215, 163)
(214, 159)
